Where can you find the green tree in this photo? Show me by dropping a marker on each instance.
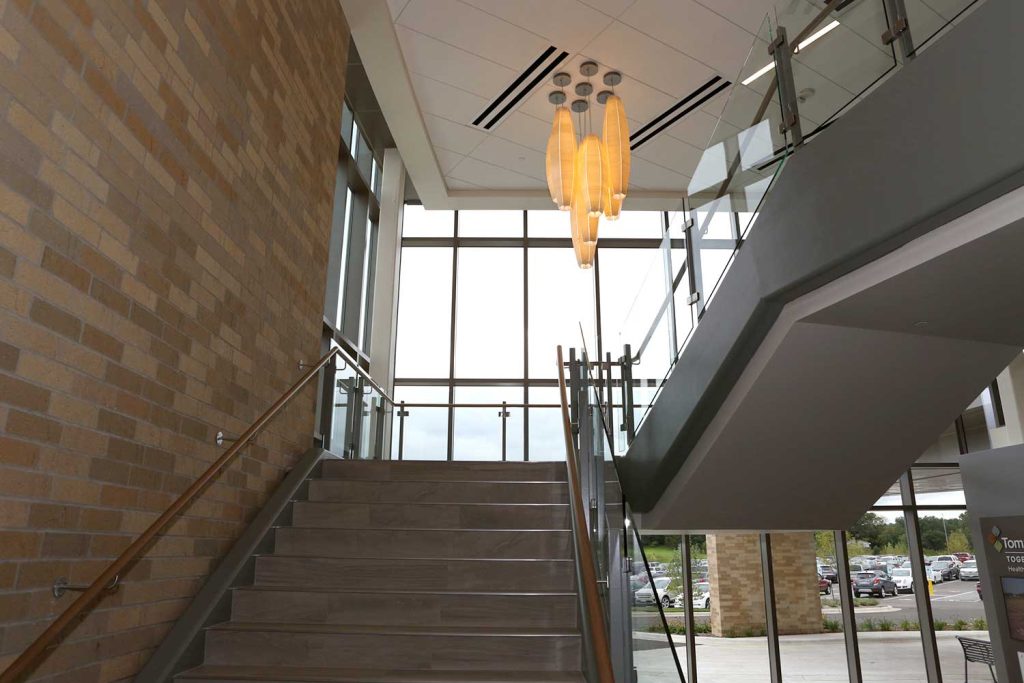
(825, 545)
(869, 529)
(933, 533)
(958, 543)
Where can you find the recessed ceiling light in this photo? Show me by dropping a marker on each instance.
(802, 46)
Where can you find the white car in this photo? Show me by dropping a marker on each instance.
(969, 571)
(934, 575)
(904, 580)
(701, 599)
(645, 596)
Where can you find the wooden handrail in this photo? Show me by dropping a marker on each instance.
(29, 658)
(585, 554)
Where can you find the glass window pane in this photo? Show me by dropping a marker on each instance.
(424, 312)
(938, 486)
(418, 222)
(490, 223)
(547, 439)
(489, 320)
(423, 433)
(548, 224)
(478, 431)
(561, 298)
(633, 224)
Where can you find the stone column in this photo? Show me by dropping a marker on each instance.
(737, 596)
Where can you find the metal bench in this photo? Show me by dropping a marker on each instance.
(978, 651)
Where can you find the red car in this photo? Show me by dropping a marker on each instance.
(979, 591)
(962, 557)
(824, 585)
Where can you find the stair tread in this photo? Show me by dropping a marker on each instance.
(273, 588)
(325, 675)
(549, 482)
(406, 630)
(382, 558)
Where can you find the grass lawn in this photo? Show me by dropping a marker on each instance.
(664, 553)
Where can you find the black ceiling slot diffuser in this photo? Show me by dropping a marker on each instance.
(520, 88)
(678, 110)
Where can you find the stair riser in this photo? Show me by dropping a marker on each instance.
(468, 652)
(396, 544)
(443, 471)
(436, 492)
(384, 609)
(462, 575)
(437, 516)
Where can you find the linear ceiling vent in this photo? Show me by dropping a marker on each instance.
(522, 86)
(678, 111)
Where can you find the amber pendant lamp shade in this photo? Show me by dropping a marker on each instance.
(585, 253)
(584, 225)
(560, 161)
(590, 169)
(581, 222)
(612, 206)
(615, 136)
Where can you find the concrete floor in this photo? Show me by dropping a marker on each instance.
(885, 658)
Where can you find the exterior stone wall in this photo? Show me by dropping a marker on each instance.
(166, 182)
(734, 573)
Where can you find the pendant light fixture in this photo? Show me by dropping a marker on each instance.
(597, 179)
(561, 154)
(615, 136)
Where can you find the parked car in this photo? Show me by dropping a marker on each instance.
(933, 574)
(702, 600)
(969, 571)
(979, 590)
(947, 568)
(874, 582)
(824, 585)
(829, 573)
(856, 568)
(904, 580)
(645, 596)
(963, 557)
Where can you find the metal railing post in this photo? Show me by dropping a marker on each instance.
(782, 53)
(628, 417)
(691, 644)
(504, 414)
(402, 414)
(899, 28)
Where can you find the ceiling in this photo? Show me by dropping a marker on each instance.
(436, 65)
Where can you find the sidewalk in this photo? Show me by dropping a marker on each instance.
(891, 657)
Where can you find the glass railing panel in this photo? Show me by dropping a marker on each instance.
(484, 429)
(346, 403)
(836, 57)
(927, 18)
(419, 430)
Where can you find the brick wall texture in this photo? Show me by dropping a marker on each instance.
(166, 182)
(734, 573)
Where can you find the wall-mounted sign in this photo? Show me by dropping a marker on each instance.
(1004, 558)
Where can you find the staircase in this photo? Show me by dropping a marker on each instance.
(396, 572)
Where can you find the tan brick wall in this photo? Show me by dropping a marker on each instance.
(166, 182)
(734, 572)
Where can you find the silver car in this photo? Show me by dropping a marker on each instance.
(969, 571)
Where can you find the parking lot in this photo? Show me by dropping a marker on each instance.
(952, 600)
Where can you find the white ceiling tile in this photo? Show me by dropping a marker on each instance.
(447, 102)
(567, 24)
(456, 184)
(637, 55)
(749, 14)
(456, 137)
(644, 174)
(430, 57)
(696, 128)
(396, 7)
(525, 130)
(694, 30)
(528, 162)
(612, 8)
(473, 30)
(491, 176)
(447, 159)
(670, 153)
